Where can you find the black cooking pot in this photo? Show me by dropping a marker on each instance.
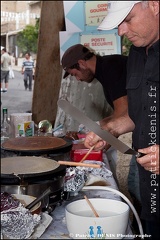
(32, 176)
(20, 170)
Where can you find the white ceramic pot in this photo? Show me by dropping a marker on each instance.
(110, 227)
(111, 223)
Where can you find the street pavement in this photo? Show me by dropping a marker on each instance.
(17, 99)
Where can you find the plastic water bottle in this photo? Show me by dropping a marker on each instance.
(5, 126)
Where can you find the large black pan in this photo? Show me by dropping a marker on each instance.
(37, 145)
(26, 170)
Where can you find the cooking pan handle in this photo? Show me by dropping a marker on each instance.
(37, 200)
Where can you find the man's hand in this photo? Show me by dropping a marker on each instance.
(150, 161)
(92, 139)
(117, 124)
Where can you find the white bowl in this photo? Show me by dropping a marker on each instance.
(111, 223)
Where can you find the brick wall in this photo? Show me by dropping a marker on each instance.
(8, 23)
(8, 6)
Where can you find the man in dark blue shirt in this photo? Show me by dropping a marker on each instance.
(139, 22)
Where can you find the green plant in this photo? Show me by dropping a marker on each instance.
(126, 44)
(27, 40)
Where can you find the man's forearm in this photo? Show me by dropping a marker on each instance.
(118, 125)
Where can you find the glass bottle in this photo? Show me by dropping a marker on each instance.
(5, 126)
(44, 128)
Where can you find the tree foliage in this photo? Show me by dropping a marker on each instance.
(27, 40)
(126, 44)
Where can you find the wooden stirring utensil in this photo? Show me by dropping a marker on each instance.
(79, 164)
(91, 206)
(87, 154)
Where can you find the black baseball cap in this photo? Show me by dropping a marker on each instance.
(72, 55)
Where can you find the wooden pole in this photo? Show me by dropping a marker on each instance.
(48, 69)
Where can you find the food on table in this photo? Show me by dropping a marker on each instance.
(33, 143)
(72, 135)
(8, 202)
(17, 222)
(27, 165)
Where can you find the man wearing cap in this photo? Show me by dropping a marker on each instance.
(139, 22)
(110, 71)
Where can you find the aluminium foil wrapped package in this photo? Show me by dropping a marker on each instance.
(74, 179)
(77, 177)
(16, 221)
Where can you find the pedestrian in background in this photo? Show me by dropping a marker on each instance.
(11, 72)
(5, 63)
(28, 71)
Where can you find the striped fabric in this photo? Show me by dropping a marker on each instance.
(28, 65)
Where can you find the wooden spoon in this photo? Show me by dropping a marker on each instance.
(91, 206)
(87, 154)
